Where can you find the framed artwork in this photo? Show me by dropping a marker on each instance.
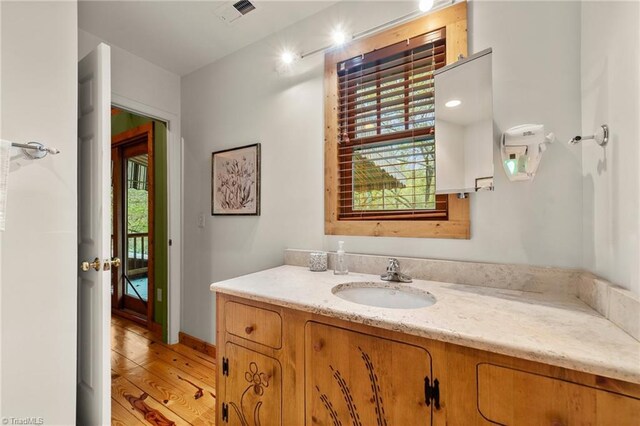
(235, 181)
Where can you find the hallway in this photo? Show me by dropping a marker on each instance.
(153, 383)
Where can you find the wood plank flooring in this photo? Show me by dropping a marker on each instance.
(157, 384)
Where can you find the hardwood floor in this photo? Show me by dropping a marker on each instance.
(157, 384)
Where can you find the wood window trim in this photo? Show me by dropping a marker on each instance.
(454, 20)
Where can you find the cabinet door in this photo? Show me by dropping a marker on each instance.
(512, 397)
(362, 380)
(253, 388)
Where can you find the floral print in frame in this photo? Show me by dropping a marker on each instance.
(235, 181)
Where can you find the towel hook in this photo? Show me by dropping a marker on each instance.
(601, 136)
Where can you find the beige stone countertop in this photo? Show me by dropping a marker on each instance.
(554, 329)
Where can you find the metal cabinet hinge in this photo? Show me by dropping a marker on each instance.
(432, 393)
(225, 366)
(225, 413)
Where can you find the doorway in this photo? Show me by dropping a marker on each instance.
(139, 225)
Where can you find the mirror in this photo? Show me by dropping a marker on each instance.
(464, 125)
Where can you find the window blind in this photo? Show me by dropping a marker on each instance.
(386, 152)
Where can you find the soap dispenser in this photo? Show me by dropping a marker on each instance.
(341, 261)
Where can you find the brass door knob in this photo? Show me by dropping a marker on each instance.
(85, 266)
(108, 263)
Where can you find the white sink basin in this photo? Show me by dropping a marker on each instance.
(384, 295)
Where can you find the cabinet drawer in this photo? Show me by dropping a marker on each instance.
(509, 397)
(255, 324)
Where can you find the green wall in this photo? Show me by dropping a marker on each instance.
(120, 123)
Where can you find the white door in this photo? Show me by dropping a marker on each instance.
(94, 284)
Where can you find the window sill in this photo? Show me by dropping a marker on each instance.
(457, 227)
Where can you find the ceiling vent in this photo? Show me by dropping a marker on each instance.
(230, 12)
(244, 6)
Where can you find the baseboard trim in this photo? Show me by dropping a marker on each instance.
(130, 315)
(197, 344)
(155, 328)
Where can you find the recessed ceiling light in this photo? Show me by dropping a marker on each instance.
(287, 57)
(453, 103)
(339, 37)
(425, 5)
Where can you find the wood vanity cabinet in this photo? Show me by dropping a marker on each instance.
(280, 366)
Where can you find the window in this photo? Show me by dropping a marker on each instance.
(380, 154)
(386, 152)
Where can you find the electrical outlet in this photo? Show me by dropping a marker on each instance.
(201, 220)
(159, 294)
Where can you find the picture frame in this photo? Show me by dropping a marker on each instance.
(235, 181)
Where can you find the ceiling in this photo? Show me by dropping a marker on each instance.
(182, 36)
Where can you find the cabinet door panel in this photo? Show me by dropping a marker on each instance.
(362, 380)
(512, 397)
(253, 388)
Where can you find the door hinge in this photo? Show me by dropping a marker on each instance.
(432, 393)
(225, 413)
(225, 366)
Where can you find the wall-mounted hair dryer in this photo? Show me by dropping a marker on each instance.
(522, 148)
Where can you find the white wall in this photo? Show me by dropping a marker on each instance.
(241, 99)
(610, 95)
(135, 78)
(39, 247)
(142, 87)
(535, 80)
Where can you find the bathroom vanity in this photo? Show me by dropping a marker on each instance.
(291, 352)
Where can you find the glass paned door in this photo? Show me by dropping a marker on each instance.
(132, 223)
(137, 215)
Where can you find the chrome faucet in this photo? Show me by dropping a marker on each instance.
(394, 274)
